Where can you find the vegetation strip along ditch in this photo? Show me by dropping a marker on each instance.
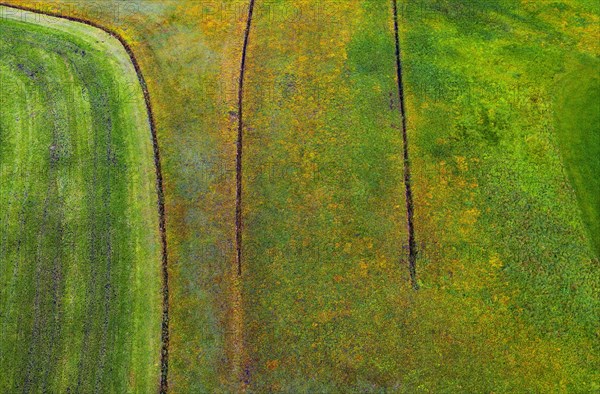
(240, 139)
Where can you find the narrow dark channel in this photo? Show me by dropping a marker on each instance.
(239, 223)
(412, 244)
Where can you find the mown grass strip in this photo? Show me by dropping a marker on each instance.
(578, 133)
(159, 187)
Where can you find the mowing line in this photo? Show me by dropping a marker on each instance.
(22, 221)
(35, 330)
(240, 137)
(91, 289)
(159, 179)
(108, 276)
(412, 244)
(40, 324)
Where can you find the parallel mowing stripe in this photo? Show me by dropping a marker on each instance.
(159, 179)
(412, 244)
(39, 322)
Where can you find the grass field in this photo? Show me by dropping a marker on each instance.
(176, 42)
(325, 289)
(505, 242)
(80, 278)
(578, 120)
(507, 279)
(503, 136)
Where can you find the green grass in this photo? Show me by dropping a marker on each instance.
(508, 300)
(578, 135)
(507, 277)
(326, 290)
(188, 56)
(506, 249)
(80, 256)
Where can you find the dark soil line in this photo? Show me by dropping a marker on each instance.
(159, 180)
(412, 244)
(239, 224)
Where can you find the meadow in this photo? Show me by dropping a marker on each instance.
(502, 109)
